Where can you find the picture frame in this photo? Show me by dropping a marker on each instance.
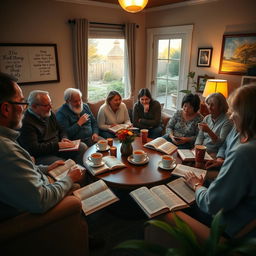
(204, 57)
(248, 80)
(30, 63)
(237, 54)
(201, 82)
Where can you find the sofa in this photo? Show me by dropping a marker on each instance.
(60, 231)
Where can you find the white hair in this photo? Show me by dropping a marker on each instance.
(69, 92)
(34, 96)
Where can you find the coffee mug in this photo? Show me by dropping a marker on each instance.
(110, 142)
(167, 161)
(95, 158)
(144, 135)
(102, 144)
(139, 155)
(200, 153)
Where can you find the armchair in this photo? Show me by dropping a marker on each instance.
(60, 231)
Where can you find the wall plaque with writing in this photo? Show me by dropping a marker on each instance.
(30, 63)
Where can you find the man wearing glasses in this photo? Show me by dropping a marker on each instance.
(41, 134)
(24, 186)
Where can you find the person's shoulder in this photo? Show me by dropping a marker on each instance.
(62, 109)
(155, 103)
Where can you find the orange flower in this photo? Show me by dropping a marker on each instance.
(125, 136)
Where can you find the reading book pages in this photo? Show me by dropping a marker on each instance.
(162, 145)
(118, 127)
(181, 170)
(110, 163)
(61, 171)
(183, 190)
(75, 148)
(189, 155)
(157, 200)
(95, 196)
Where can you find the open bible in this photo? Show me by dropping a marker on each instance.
(61, 171)
(109, 163)
(181, 170)
(161, 199)
(162, 145)
(189, 155)
(75, 148)
(95, 196)
(118, 127)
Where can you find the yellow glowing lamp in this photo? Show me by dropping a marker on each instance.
(216, 85)
(133, 5)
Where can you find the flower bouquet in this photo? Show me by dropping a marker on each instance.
(126, 137)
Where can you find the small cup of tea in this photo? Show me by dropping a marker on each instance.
(110, 141)
(200, 153)
(144, 135)
(139, 155)
(167, 161)
(113, 151)
(96, 158)
(102, 145)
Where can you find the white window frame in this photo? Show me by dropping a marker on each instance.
(184, 32)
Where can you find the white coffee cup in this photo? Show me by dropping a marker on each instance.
(96, 158)
(167, 161)
(102, 145)
(139, 155)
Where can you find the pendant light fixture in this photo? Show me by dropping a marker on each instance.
(133, 5)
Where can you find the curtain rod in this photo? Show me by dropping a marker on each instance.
(101, 23)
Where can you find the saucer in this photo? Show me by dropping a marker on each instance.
(95, 165)
(173, 165)
(130, 159)
(107, 148)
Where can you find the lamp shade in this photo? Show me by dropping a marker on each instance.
(216, 85)
(133, 5)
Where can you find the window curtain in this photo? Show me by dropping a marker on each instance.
(80, 55)
(130, 56)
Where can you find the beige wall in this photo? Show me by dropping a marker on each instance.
(210, 22)
(45, 21)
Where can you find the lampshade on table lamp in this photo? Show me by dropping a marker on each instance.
(133, 5)
(216, 85)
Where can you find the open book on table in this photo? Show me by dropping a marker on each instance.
(162, 145)
(75, 148)
(181, 170)
(161, 199)
(118, 127)
(110, 163)
(189, 155)
(61, 171)
(95, 196)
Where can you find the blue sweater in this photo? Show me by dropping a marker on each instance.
(68, 120)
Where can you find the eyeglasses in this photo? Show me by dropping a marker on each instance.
(45, 105)
(23, 103)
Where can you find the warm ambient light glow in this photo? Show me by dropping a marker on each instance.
(216, 85)
(133, 5)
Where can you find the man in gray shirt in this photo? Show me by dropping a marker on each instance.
(23, 185)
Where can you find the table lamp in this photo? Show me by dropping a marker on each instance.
(216, 85)
(133, 5)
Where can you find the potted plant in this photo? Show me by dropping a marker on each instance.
(189, 245)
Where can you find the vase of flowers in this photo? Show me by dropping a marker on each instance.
(126, 137)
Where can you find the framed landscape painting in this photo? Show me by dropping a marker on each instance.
(238, 54)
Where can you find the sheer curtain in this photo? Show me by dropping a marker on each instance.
(130, 56)
(80, 30)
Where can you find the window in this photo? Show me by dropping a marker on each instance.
(106, 62)
(168, 64)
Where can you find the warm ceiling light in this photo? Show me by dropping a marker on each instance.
(133, 5)
(216, 85)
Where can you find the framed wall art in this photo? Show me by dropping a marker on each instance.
(248, 80)
(204, 57)
(238, 54)
(30, 63)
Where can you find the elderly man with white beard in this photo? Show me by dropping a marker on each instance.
(77, 119)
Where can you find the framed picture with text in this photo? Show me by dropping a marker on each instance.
(204, 57)
(238, 54)
(30, 63)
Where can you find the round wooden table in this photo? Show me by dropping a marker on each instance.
(134, 176)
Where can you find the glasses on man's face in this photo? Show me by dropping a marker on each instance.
(23, 103)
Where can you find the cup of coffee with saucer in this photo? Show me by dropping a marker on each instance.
(102, 145)
(96, 159)
(167, 162)
(138, 157)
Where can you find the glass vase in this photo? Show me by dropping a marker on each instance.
(126, 149)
